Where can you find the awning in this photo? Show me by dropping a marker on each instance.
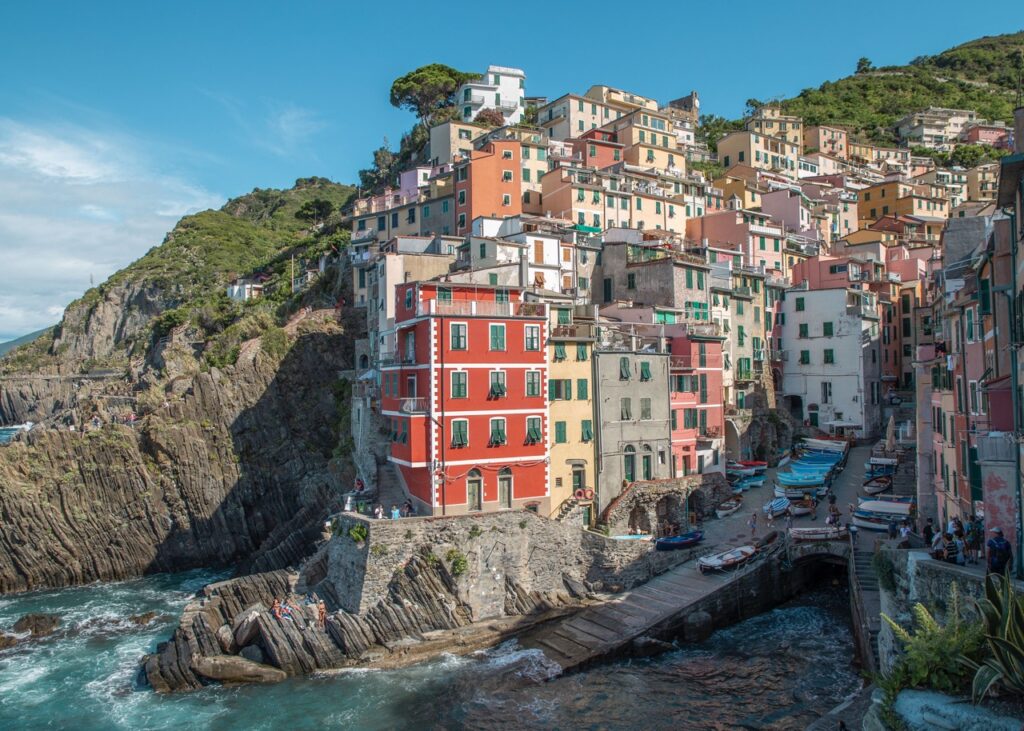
(588, 229)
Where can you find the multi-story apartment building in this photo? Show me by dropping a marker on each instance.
(695, 399)
(533, 152)
(771, 122)
(937, 128)
(465, 398)
(759, 151)
(648, 139)
(896, 198)
(983, 182)
(452, 140)
(994, 134)
(501, 88)
(829, 140)
(832, 377)
(572, 437)
(571, 115)
(488, 183)
(751, 233)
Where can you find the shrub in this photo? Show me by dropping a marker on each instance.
(475, 531)
(458, 561)
(884, 570)
(379, 550)
(168, 320)
(275, 342)
(358, 533)
(1002, 613)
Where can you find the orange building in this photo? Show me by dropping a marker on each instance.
(488, 183)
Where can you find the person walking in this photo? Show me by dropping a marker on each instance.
(893, 529)
(904, 535)
(752, 523)
(928, 532)
(789, 520)
(1000, 555)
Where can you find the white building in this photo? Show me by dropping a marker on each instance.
(832, 364)
(501, 88)
(534, 244)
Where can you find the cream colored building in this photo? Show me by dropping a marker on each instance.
(771, 122)
(759, 151)
(453, 139)
(572, 431)
(649, 140)
(983, 182)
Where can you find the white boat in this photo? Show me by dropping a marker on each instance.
(729, 507)
(823, 533)
(726, 560)
(784, 461)
(801, 507)
(796, 492)
(870, 523)
(881, 461)
(887, 507)
(829, 444)
(888, 499)
(737, 469)
(776, 507)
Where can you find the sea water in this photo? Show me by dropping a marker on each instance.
(7, 433)
(779, 670)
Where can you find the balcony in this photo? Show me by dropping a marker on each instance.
(756, 228)
(743, 375)
(413, 405)
(574, 331)
(708, 433)
(682, 362)
(482, 309)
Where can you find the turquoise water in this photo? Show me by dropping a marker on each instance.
(776, 671)
(7, 433)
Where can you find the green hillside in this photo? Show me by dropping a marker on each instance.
(981, 75)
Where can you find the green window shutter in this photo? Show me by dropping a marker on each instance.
(826, 328)
(567, 389)
(623, 369)
(581, 352)
(805, 357)
(829, 356)
(703, 388)
(533, 430)
(799, 304)
(803, 329)
(492, 279)
(675, 420)
(559, 352)
(564, 316)
(645, 371)
(689, 279)
(985, 296)
(581, 389)
(497, 337)
(560, 437)
(554, 387)
(586, 431)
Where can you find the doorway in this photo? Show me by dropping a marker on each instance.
(505, 488)
(475, 491)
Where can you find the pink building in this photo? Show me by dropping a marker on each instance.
(753, 234)
(986, 134)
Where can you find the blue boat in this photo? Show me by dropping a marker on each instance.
(805, 467)
(675, 543)
(800, 480)
(776, 507)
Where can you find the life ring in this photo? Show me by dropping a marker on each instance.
(580, 494)
(589, 494)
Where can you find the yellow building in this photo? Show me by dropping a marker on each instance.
(983, 182)
(572, 430)
(896, 198)
(771, 122)
(759, 151)
(648, 140)
(620, 99)
(736, 182)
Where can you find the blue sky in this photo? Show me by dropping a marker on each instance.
(116, 118)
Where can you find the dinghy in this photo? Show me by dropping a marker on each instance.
(823, 533)
(755, 481)
(795, 479)
(729, 507)
(830, 444)
(878, 484)
(888, 499)
(726, 560)
(736, 468)
(757, 465)
(776, 507)
(675, 543)
(804, 506)
(797, 493)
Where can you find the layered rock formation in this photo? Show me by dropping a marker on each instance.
(235, 466)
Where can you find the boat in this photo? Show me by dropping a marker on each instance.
(822, 533)
(881, 461)
(878, 484)
(888, 499)
(755, 481)
(729, 506)
(784, 460)
(726, 559)
(870, 522)
(758, 466)
(888, 508)
(795, 479)
(675, 543)
(776, 507)
(737, 468)
(829, 444)
(804, 506)
(798, 493)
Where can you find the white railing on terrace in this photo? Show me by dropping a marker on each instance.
(483, 309)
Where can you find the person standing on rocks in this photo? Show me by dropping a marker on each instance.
(321, 614)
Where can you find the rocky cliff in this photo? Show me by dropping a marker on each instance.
(237, 466)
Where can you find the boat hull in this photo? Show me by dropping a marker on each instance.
(677, 543)
(828, 533)
(726, 560)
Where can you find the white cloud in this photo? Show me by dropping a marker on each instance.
(281, 128)
(76, 203)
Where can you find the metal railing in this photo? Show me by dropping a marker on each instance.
(413, 405)
(482, 309)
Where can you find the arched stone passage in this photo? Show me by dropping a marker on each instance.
(732, 440)
(639, 522)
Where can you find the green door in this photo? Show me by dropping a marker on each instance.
(814, 418)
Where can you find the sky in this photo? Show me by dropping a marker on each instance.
(117, 118)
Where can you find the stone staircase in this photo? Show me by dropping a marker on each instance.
(867, 581)
(390, 487)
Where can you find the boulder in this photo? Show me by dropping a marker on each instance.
(576, 588)
(226, 640)
(253, 653)
(245, 627)
(39, 625)
(645, 646)
(7, 641)
(141, 619)
(232, 669)
(698, 626)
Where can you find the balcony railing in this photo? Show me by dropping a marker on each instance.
(574, 330)
(709, 432)
(743, 375)
(482, 309)
(413, 405)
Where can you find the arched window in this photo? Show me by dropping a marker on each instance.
(364, 362)
(629, 463)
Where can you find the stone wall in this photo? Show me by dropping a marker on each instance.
(647, 505)
(534, 554)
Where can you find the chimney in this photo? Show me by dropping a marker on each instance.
(1018, 129)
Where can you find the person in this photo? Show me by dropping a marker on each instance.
(961, 547)
(321, 614)
(395, 515)
(409, 509)
(753, 525)
(275, 608)
(928, 532)
(951, 526)
(978, 529)
(853, 532)
(348, 503)
(789, 520)
(769, 519)
(892, 529)
(936, 544)
(904, 535)
(949, 552)
(1000, 555)
(378, 512)
(360, 485)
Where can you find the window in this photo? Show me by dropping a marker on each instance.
(674, 416)
(829, 356)
(526, 175)
(498, 432)
(460, 432)
(826, 329)
(506, 199)
(803, 330)
(645, 371)
(533, 432)
(973, 389)
(501, 296)
(462, 197)
(497, 384)
(458, 336)
(483, 251)
(497, 337)
(586, 431)
(629, 463)
(533, 383)
(623, 369)
(532, 338)
(805, 357)
(559, 352)
(460, 381)
(799, 304)
(581, 352)
(703, 388)
(645, 409)
(560, 435)
(631, 281)
(625, 409)
(492, 279)
(581, 389)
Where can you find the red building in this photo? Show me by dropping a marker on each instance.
(465, 397)
(695, 403)
(488, 183)
(598, 149)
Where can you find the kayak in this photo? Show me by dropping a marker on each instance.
(675, 543)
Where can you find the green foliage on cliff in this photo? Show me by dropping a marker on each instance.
(979, 75)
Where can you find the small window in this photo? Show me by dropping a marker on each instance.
(458, 336)
(532, 338)
(533, 429)
(624, 370)
(460, 432)
(561, 436)
(497, 337)
(498, 432)
(625, 409)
